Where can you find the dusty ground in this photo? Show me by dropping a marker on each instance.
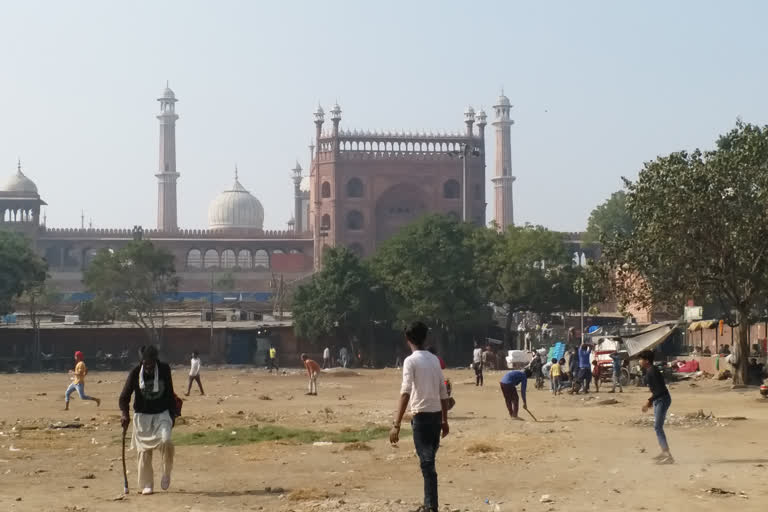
(584, 456)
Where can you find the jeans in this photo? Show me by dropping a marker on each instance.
(617, 381)
(585, 377)
(426, 436)
(660, 408)
(80, 388)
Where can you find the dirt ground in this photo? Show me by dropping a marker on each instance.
(585, 456)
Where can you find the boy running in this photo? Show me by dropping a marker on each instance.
(313, 370)
(78, 382)
(660, 400)
(508, 389)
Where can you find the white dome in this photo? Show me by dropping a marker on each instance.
(168, 93)
(304, 185)
(19, 184)
(235, 208)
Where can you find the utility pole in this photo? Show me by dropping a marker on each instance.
(212, 310)
(581, 289)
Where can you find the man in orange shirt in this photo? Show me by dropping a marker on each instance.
(313, 370)
(78, 382)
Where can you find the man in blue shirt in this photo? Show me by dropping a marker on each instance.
(585, 370)
(508, 388)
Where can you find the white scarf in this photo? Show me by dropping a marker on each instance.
(156, 383)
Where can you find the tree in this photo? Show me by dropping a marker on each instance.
(133, 283)
(20, 269)
(428, 270)
(526, 268)
(343, 298)
(700, 230)
(36, 298)
(609, 218)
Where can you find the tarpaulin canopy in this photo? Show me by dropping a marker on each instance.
(648, 338)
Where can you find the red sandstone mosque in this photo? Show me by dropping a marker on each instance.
(362, 187)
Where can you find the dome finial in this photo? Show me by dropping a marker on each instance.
(236, 176)
(18, 164)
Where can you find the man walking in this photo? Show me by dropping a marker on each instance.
(78, 382)
(660, 401)
(272, 363)
(617, 360)
(326, 357)
(573, 367)
(424, 387)
(477, 364)
(194, 373)
(154, 414)
(313, 370)
(344, 356)
(508, 389)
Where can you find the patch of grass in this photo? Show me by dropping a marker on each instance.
(260, 434)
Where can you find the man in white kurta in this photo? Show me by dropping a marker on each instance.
(154, 413)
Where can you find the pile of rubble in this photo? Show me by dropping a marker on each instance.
(691, 420)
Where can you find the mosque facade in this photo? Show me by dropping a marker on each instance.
(361, 188)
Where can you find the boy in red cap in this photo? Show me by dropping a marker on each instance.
(78, 382)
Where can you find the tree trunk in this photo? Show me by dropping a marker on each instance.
(741, 351)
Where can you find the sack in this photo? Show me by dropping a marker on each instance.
(179, 404)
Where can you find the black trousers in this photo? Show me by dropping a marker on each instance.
(426, 436)
(196, 378)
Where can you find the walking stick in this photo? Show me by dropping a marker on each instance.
(125, 473)
(532, 416)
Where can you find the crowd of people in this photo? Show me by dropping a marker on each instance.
(424, 390)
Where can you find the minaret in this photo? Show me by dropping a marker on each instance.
(502, 181)
(166, 173)
(297, 213)
(319, 120)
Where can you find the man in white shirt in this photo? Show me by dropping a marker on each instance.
(327, 358)
(477, 364)
(424, 387)
(194, 373)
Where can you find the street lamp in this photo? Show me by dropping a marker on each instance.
(581, 264)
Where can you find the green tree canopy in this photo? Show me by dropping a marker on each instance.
(428, 268)
(21, 269)
(700, 230)
(134, 283)
(527, 268)
(608, 219)
(342, 299)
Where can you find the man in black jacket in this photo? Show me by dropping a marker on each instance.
(660, 401)
(154, 413)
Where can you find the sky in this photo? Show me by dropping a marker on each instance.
(598, 88)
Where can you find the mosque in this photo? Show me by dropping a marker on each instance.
(362, 187)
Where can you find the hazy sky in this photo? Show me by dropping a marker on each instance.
(597, 87)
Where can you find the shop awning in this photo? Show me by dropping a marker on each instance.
(702, 324)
